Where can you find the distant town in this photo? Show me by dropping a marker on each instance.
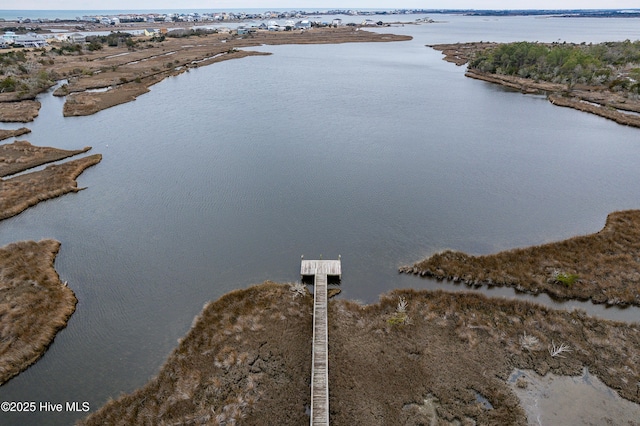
(30, 32)
(117, 19)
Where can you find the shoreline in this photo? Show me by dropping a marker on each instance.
(600, 267)
(597, 100)
(23, 191)
(34, 306)
(247, 356)
(112, 75)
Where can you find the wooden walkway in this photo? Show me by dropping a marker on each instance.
(320, 351)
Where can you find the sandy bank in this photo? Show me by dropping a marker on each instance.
(248, 356)
(34, 304)
(602, 267)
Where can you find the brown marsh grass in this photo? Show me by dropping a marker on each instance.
(606, 265)
(34, 304)
(459, 347)
(21, 155)
(23, 191)
(6, 134)
(246, 360)
(19, 111)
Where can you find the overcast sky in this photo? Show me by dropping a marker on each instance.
(320, 4)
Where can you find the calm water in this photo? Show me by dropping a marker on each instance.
(222, 177)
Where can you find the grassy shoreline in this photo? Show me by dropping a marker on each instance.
(601, 267)
(34, 304)
(247, 359)
(615, 100)
(23, 191)
(126, 71)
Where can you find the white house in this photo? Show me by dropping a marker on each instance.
(9, 37)
(31, 40)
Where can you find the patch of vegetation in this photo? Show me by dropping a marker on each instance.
(198, 32)
(595, 64)
(113, 39)
(564, 278)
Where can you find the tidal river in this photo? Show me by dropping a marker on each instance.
(383, 153)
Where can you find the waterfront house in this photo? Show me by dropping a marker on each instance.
(337, 22)
(150, 32)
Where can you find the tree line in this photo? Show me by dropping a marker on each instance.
(616, 64)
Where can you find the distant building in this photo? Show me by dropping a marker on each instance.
(9, 37)
(303, 25)
(30, 40)
(150, 32)
(76, 38)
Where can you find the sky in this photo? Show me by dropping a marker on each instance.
(317, 4)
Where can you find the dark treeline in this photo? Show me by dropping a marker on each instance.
(616, 64)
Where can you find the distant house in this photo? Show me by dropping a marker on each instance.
(9, 37)
(337, 22)
(31, 40)
(150, 32)
(273, 26)
(303, 25)
(242, 30)
(76, 38)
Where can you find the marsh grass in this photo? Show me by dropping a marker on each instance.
(34, 304)
(23, 191)
(6, 134)
(461, 344)
(21, 155)
(237, 365)
(602, 267)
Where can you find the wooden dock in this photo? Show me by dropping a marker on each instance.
(320, 269)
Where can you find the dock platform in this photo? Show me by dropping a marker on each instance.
(320, 270)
